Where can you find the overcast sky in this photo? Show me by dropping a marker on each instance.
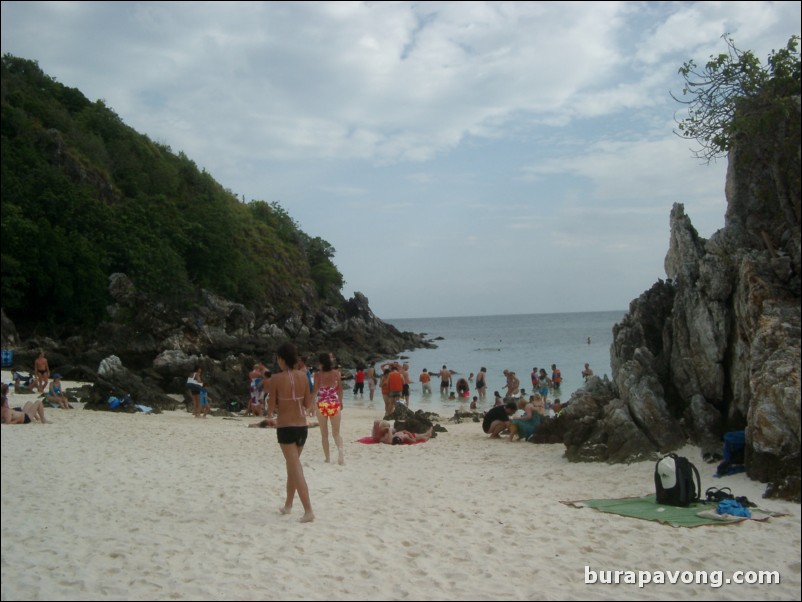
(463, 158)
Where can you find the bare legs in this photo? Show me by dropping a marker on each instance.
(196, 409)
(496, 427)
(338, 440)
(35, 410)
(296, 482)
(61, 400)
(323, 421)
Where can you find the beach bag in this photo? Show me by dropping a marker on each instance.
(734, 446)
(116, 403)
(676, 481)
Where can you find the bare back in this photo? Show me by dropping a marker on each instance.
(290, 396)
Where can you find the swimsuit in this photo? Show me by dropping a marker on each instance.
(27, 419)
(328, 402)
(287, 435)
(526, 428)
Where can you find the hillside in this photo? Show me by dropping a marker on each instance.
(85, 196)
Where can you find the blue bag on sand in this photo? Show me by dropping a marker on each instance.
(114, 403)
(734, 508)
(734, 446)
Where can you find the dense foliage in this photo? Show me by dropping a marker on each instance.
(84, 196)
(735, 95)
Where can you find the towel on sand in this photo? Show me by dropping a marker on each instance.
(646, 508)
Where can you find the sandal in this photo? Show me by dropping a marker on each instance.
(713, 494)
(744, 501)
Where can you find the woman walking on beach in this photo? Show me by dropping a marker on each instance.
(289, 393)
(328, 392)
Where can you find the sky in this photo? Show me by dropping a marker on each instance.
(462, 158)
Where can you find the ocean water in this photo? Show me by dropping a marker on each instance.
(512, 342)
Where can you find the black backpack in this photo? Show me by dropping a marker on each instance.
(676, 481)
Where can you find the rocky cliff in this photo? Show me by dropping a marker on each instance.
(147, 349)
(716, 346)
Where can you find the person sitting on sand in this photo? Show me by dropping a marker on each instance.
(23, 384)
(32, 411)
(558, 407)
(498, 418)
(538, 403)
(256, 399)
(55, 394)
(524, 426)
(498, 399)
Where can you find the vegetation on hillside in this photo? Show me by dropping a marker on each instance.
(84, 196)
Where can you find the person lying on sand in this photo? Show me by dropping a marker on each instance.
(383, 433)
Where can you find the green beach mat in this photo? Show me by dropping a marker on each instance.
(646, 508)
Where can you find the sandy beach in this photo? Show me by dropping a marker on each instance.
(106, 506)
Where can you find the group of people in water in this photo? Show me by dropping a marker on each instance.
(517, 415)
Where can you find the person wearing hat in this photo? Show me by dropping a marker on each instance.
(55, 394)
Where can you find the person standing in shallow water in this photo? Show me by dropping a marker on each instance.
(481, 383)
(289, 393)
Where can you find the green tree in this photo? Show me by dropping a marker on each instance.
(735, 95)
(82, 195)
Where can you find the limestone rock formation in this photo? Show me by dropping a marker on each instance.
(716, 346)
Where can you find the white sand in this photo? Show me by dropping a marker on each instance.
(103, 506)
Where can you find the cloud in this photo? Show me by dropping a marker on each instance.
(460, 143)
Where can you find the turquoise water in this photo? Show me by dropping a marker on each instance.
(512, 342)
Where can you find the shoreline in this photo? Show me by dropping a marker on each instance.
(111, 506)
